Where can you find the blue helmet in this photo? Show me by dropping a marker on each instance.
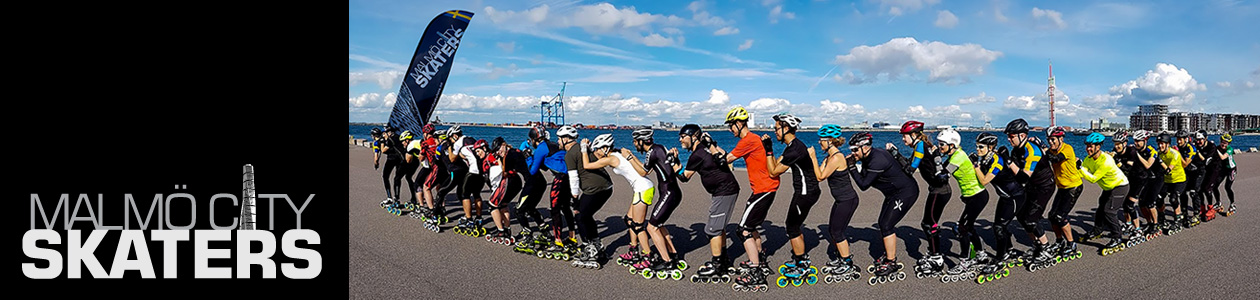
(1095, 138)
(829, 131)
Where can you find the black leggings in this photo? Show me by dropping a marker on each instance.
(1030, 214)
(1064, 201)
(1211, 186)
(390, 164)
(561, 207)
(970, 240)
(1152, 195)
(841, 214)
(591, 203)
(1170, 193)
(1191, 199)
(1108, 205)
(894, 208)
(405, 171)
(1002, 217)
(931, 222)
(535, 185)
(1229, 185)
(798, 211)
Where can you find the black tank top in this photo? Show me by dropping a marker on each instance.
(840, 185)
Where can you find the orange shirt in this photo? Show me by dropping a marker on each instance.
(749, 148)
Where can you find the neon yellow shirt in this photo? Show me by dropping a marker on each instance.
(1103, 171)
(1172, 158)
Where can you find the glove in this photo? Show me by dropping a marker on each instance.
(1057, 158)
(890, 147)
(975, 159)
(768, 145)
(1078, 163)
(986, 161)
(673, 159)
(585, 147)
(720, 159)
(706, 139)
(1004, 152)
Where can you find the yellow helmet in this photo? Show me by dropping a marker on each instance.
(406, 135)
(1227, 138)
(737, 114)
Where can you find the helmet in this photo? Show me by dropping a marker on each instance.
(1181, 134)
(737, 114)
(1120, 136)
(861, 139)
(1095, 138)
(1227, 138)
(1164, 138)
(428, 129)
(537, 132)
(829, 131)
(601, 141)
(498, 142)
(643, 134)
(987, 138)
(792, 121)
(911, 126)
(406, 135)
(567, 131)
(1200, 135)
(1016, 126)
(1055, 131)
(949, 136)
(454, 130)
(1141, 135)
(690, 129)
(389, 128)
(480, 144)
(441, 134)
(376, 131)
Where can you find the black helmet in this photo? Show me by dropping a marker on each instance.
(498, 142)
(1016, 126)
(691, 130)
(376, 131)
(1181, 134)
(642, 134)
(537, 132)
(1164, 138)
(389, 128)
(861, 139)
(987, 138)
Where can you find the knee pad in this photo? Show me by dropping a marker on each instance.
(747, 234)
(629, 222)
(640, 227)
(1059, 219)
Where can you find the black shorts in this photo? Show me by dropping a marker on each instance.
(755, 212)
(665, 205)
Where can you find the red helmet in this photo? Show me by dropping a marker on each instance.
(480, 144)
(427, 129)
(1055, 131)
(911, 126)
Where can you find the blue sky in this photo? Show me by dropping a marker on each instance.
(842, 62)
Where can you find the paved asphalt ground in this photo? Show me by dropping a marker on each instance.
(394, 257)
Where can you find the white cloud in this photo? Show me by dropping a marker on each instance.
(718, 97)
(1224, 84)
(946, 19)
(386, 79)
(947, 63)
(368, 100)
(982, 98)
(899, 7)
(496, 72)
(507, 47)
(656, 40)
(777, 12)
(1054, 18)
(726, 31)
(1166, 84)
(1025, 103)
(747, 44)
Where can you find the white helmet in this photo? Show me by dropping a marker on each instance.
(454, 130)
(949, 136)
(601, 141)
(567, 131)
(791, 121)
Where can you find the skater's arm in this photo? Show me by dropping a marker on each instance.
(835, 161)
(536, 161)
(634, 162)
(1087, 175)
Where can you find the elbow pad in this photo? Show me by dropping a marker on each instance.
(573, 182)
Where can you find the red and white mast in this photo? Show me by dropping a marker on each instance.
(1050, 92)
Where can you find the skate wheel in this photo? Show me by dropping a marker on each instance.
(797, 282)
(735, 287)
(901, 275)
(695, 279)
(781, 282)
(661, 275)
(539, 254)
(981, 280)
(647, 274)
(872, 281)
(682, 265)
(726, 278)
(918, 275)
(811, 279)
(870, 269)
(828, 279)
(782, 269)
(676, 275)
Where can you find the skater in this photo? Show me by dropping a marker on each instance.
(407, 168)
(472, 154)
(555, 158)
(1174, 183)
(534, 186)
(880, 170)
(392, 149)
(1032, 170)
(764, 187)
(595, 187)
(927, 160)
(1209, 196)
(669, 195)
(961, 167)
(505, 166)
(709, 161)
(1228, 170)
(832, 170)
(1151, 197)
(1101, 168)
(1190, 199)
(433, 178)
(1067, 177)
(805, 192)
(1136, 167)
(990, 170)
